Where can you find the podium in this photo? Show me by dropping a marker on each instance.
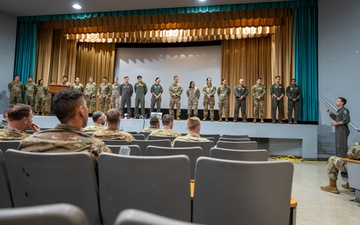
(55, 88)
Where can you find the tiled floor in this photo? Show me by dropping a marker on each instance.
(316, 207)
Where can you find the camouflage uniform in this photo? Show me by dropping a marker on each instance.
(177, 89)
(209, 90)
(335, 164)
(277, 90)
(193, 95)
(115, 96)
(67, 83)
(149, 129)
(140, 92)
(108, 134)
(15, 89)
(126, 91)
(90, 96)
(12, 134)
(341, 131)
(103, 92)
(238, 92)
(41, 94)
(293, 92)
(48, 104)
(224, 96)
(165, 131)
(93, 128)
(258, 91)
(191, 137)
(78, 87)
(64, 138)
(30, 91)
(156, 89)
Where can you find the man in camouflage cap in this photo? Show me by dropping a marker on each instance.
(99, 121)
(70, 108)
(30, 91)
(77, 85)
(166, 130)
(19, 120)
(209, 91)
(112, 132)
(104, 93)
(258, 93)
(175, 91)
(90, 95)
(193, 126)
(154, 125)
(15, 88)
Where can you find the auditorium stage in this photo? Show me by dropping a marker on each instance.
(280, 139)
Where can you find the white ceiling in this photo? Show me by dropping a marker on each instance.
(51, 7)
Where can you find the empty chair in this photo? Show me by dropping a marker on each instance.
(5, 145)
(48, 178)
(116, 142)
(205, 145)
(215, 136)
(235, 136)
(192, 152)
(5, 196)
(154, 137)
(134, 149)
(55, 214)
(139, 136)
(246, 145)
(146, 134)
(134, 216)
(155, 184)
(144, 143)
(255, 193)
(234, 139)
(244, 155)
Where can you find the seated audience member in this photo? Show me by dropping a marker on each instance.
(99, 121)
(4, 122)
(70, 108)
(335, 164)
(193, 126)
(154, 125)
(19, 120)
(112, 132)
(166, 130)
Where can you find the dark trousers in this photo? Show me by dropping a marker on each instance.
(341, 138)
(158, 104)
(293, 105)
(125, 100)
(275, 104)
(240, 104)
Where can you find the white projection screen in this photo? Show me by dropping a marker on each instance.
(189, 63)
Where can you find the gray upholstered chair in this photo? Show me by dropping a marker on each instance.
(235, 136)
(215, 136)
(244, 155)
(134, 149)
(139, 136)
(5, 195)
(116, 142)
(146, 134)
(205, 145)
(5, 145)
(234, 139)
(247, 145)
(144, 143)
(154, 137)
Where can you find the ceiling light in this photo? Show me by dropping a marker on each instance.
(76, 6)
(202, 0)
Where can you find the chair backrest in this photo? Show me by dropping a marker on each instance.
(144, 143)
(234, 139)
(205, 145)
(134, 216)
(146, 134)
(235, 135)
(132, 132)
(215, 136)
(55, 214)
(5, 145)
(5, 196)
(246, 145)
(134, 149)
(154, 137)
(139, 136)
(48, 178)
(116, 142)
(155, 184)
(255, 193)
(192, 152)
(244, 155)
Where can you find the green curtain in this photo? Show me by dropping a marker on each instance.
(306, 59)
(25, 54)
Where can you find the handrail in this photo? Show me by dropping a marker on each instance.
(332, 106)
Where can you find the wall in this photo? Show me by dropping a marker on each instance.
(7, 55)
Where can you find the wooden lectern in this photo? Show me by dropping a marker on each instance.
(55, 88)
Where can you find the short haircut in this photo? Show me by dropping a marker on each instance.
(96, 115)
(30, 77)
(105, 78)
(154, 121)
(126, 77)
(17, 75)
(277, 77)
(18, 111)
(91, 77)
(112, 116)
(39, 81)
(116, 78)
(65, 76)
(138, 77)
(259, 78)
(157, 78)
(192, 123)
(176, 76)
(167, 118)
(293, 79)
(343, 100)
(65, 103)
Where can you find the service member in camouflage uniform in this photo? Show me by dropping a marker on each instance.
(90, 96)
(156, 91)
(19, 120)
(41, 93)
(258, 94)
(342, 118)
(293, 92)
(154, 125)
(166, 130)
(277, 93)
(115, 94)
(112, 132)
(98, 118)
(77, 85)
(30, 91)
(175, 91)
(126, 91)
(224, 96)
(15, 88)
(335, 164)
(70, 108)
(104, 93)
(193, 94)
(65, 81)
(140, 92)
(193, 126)
(240, 92)
(209, 91)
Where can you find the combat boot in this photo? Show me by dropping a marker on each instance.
(347, 187)
(220, 120)
(226, 119)
(178, 117)
(212, 119)
(204, 119)
(244, 121)
(254, 121)
(262, 120)
(331, 188)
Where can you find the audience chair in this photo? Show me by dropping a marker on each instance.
(134, 149)
(139, 136)
(237, 192)
(155, 184)
(138, 217)
(146, 134)
(192, 152)
(5, 145)
(153, 137)
(5, 196)
(132, 132)
(116, 142)
(215, 136)
(243, 145)
(205, 145)
(234, 139)
(48, 178)
(243, 155)
(235, 136)
(144, 143)
(55, 214)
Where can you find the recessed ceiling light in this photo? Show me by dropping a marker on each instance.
(76, 6)
(202, 0)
